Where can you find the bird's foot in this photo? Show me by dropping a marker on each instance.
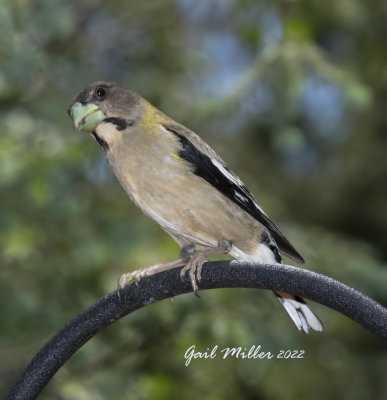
(142, 273)
(195, 264)
(194, 269)
(191, 261)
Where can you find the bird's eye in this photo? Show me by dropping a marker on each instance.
(100, 92)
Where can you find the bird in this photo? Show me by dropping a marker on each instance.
(180, 182)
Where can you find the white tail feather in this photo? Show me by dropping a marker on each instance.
(300, 313)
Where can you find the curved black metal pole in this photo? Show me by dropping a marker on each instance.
(221, 274)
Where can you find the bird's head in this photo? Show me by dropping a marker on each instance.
(104, 102)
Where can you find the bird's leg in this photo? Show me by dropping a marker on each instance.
(191, 260)
(197, 259)
(154, 269)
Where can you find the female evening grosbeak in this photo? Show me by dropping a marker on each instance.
(179, 181)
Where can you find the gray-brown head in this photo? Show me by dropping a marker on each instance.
(105, 101)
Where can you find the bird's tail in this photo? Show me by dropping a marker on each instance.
(300, 313)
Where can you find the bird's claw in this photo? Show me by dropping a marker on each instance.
(194, 269)
(126, 278)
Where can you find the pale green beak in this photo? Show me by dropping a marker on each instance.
(86, 117)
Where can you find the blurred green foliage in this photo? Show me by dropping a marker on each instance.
(293, 94)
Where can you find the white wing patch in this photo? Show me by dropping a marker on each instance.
(231, 177)
(240, 196)
(236, 181)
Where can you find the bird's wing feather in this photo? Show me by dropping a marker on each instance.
(209, 166)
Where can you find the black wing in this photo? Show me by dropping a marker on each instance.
(220, 176)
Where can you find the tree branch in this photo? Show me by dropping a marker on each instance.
(221, 274)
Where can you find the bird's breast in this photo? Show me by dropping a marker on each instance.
(165, 188)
